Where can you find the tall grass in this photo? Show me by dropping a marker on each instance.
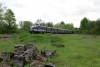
(79, 50)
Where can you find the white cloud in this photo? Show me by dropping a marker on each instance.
(69, 11)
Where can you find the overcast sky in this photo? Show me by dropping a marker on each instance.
(69, 11)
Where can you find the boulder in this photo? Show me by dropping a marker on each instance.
(41, 58)
(49, 65)
(18, 50)
(6, 56)
(30, 54)
(48, 53)
(58, 45)
(28, 46)
(18, 61)
(1, 59)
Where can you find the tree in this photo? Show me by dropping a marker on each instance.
(84, 25)
(62, 23)
(42, 24)
(7, 20)
(2, 24)
(97, 26)
(76, 30)
(10, 21)
(49, 24)
(91, 28)
(57, 25)
(2, 27)
(38, 21)
(69, 26)
(24, 25)
(21, 24)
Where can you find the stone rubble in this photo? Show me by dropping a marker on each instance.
(27, 54)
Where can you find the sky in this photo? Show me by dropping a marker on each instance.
(69, 11)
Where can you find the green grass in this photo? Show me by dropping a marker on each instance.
(79, 50)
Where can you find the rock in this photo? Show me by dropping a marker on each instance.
(49, 65)
(58, 45)
(48, 53)
(35, 64)
(4, 64)
(18, 50)
(30, 54)
(18, 61)
(28, 46)
(1, 59)
(41, 58)
(25, 54)
(5, 56)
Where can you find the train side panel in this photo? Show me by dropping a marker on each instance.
(41, 29)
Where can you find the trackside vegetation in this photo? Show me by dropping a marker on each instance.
(78, 50)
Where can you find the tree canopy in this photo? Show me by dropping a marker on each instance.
(24, 25)
(64, 25)
(7, 20)
(89, 27)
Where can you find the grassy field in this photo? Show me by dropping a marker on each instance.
(79, 50)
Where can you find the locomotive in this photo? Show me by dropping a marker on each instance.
(42, 29)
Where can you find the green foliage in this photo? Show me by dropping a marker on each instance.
(42, 23)
(39, 38)
(10, 21)
(49, 24)
(69, 26)
(57, 25)
(97, 26)
(38, 21)
(84, 25)
(62, 25)
(56, 39)
(79, 50)
(90, 27)
(7, 20)
(24, 25)
(2, 9)
(76, 30)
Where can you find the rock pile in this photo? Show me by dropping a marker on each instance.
(26, 54)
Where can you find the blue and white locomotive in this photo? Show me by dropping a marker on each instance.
(42, 29)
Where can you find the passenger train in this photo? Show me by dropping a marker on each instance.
(43, 29)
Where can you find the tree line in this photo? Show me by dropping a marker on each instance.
(8, 24)
(88, 26)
